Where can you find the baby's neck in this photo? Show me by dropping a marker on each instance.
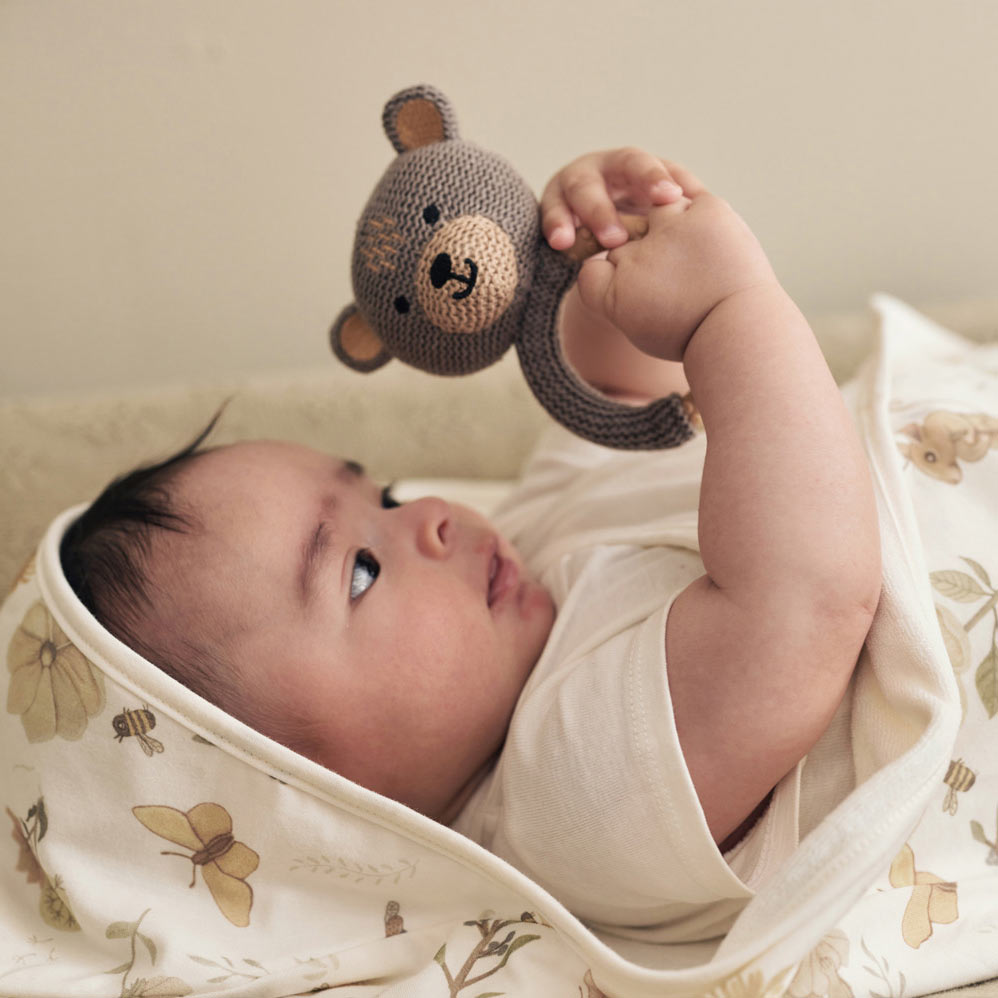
(453, 809)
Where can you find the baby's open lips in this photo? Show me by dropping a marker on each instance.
(503, 576)
(493, 571)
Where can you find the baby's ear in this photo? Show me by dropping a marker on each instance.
(418, 116)
(356, 343)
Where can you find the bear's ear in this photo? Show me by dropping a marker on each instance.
(418, 116)
(356, 343)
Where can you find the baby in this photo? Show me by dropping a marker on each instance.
(391, 642)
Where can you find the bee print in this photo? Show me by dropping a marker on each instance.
(958, 778)
(393, 920)
(206, 830)
(137, 723)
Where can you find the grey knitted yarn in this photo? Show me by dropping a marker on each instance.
(450, 268)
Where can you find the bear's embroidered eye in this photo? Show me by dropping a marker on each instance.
(402, 304)
(431, 214)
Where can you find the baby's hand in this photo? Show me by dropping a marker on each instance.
(591, 189)
(657, 290)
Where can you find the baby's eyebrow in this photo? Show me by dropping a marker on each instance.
(353, 469)
(311, 554)
(318, 541)
(313, 549)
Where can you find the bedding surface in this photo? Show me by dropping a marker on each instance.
(157, 847)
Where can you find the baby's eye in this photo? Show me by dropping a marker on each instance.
(388, 501)
(365, 571)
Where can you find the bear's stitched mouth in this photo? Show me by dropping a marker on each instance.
(442, 271)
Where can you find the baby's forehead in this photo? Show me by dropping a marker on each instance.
(203, 585)
(232, 473)
(267, 455)
(236, 495)
(262, 451)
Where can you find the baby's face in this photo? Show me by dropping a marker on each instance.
(400, 637)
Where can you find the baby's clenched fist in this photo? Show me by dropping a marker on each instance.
(658, 290)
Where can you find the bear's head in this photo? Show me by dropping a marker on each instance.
(444, 250)
(450, 268)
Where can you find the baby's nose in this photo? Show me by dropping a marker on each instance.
(432, 520)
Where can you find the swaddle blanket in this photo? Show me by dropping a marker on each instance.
(158, 847)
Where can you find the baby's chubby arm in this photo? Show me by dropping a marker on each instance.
(760, 649)
(590, 191)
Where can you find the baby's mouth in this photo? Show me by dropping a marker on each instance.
(503, 576)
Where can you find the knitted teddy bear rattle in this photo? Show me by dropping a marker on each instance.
(450, 267)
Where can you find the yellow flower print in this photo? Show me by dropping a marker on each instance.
(818, 974)
(53, 686)
(750, 985)
(933, 900)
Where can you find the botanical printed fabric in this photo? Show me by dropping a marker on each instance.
(930, 919)
(157, 847)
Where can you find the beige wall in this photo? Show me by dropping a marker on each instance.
(179, 180)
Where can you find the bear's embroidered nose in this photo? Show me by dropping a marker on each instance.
(442, 271)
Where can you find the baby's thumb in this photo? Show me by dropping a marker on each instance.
(596, 284)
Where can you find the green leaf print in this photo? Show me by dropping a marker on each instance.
(490, 945)
(963, 588)
(514, 946)
(979, 569)
(986, 680)
(150, 945)
(957, 585)
(142, 987)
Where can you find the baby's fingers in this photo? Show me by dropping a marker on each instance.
(596, 285)
(592, 190)
(557, 218)
(579, 192)
(639, 179)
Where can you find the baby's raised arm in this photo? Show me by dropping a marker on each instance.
(590, 191)
(760, 648)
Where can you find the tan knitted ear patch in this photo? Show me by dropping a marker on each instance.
(358, 340)
(418, 123)
(467, 275)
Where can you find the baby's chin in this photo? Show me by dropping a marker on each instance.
(539, 610)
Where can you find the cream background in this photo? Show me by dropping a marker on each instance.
(179, 180)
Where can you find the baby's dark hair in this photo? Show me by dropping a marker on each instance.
(105, 555)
